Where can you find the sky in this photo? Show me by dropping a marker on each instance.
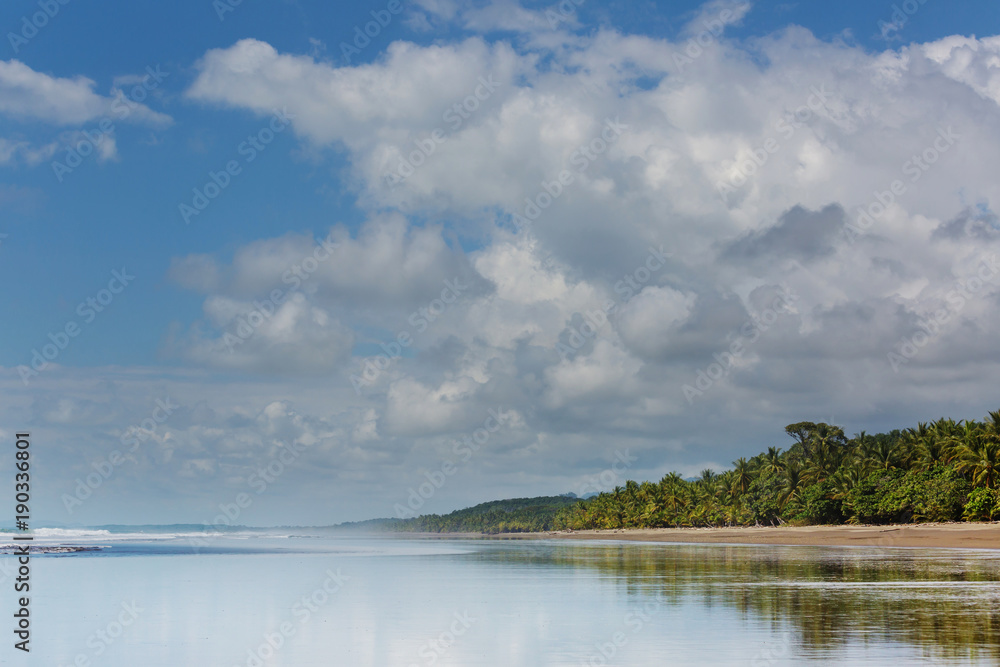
(298, 263)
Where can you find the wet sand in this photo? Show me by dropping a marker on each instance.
(928, 535)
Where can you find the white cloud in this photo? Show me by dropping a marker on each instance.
(974, 62)
(413, 408)
(367, 428)
(609, 373)
(351, 105)
(12, 150)
(29, 95)
(713, 17)
(805, 131)
(291, 337)
(840, 124)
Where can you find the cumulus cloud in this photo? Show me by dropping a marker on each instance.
(303, 303)
(416, 409)
(804, 134)
(30, 96)
(608, 373)
(974, 62)
(820, 203)
(27, 94)
(350, 105)
(287, 336)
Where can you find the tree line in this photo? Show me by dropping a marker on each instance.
(940, 471)
(515, 515)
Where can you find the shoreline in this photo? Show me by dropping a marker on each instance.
(923, 535)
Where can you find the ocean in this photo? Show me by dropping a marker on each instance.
(302, 597)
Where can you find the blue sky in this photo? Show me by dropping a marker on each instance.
(123, 212)
(65, 237)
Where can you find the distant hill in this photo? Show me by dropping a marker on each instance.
(514, 515)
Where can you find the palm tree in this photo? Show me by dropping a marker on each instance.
(671, 479)
(650, 505)
(885, 454)
(947, 427)
(702, 500)
(862, 453)
(938, 446)
(823, 446)
(845, 479)
(828, 436)
(966, 434)
(742, 476)
(994, 423)
(913, 439)
(674, 495)
(819, 465)
(772, 460)
(981, 460)
(793, 483)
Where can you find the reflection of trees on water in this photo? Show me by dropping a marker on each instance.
(945, 604)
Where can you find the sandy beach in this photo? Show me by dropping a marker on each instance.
(929, 535)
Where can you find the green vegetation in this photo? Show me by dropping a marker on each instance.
(945, 471)
(517, 515)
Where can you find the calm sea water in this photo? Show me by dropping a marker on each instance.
(251, 600)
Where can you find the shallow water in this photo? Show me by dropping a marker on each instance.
(324, 600)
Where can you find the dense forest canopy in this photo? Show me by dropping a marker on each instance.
(516, 515)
